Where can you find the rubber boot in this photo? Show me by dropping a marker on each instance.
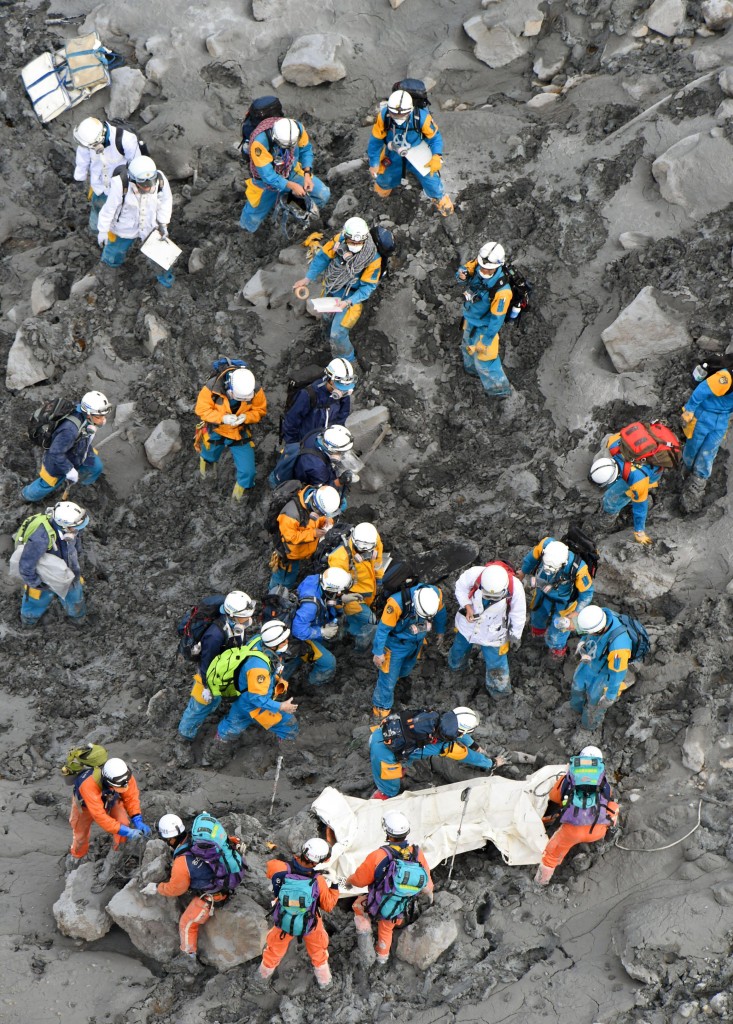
(323, 976)
(692, 495)
(183, 752)
(543, 874)
(107, 872)
(377, 795)
(382, 960)
(444, 206)
(557, 655)
(217, 754)
(184, 963)
(378, 716)
(72, 863)
(383, 192)
(237, 492)
(203, 465)
(536, 631)
(365, 942)
(261, 978)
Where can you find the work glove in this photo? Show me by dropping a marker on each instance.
(434, 164)
(130, 833)
(641, 537)
(687, 417)
(151, 889)
(102, 239)
(515, 642)
(206, 696)
(138, 823)
(163, 229)
(329, 631)
(73, 475)
(233, 421)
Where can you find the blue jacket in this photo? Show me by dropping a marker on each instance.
(610, 661)
(574, 573)
(213, 643)
(419, 127)
(314, 409)
(313, 611)
(640, 481)
(710, 409)
(483, 312)
(312, 468)
(69, 448)
(395, 628)
(38, 544)
(266, 173)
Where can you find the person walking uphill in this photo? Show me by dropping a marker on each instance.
(102, 149)
(705, 418)
(228, 404)
(301, 895)
(70, 456)
(139, 201)
(487, 300)
(55, 532)
(108, 796)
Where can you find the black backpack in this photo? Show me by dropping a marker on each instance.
(195, 622)
(406, 731)
(281, 603)
(399, 578)
(715, 364)
(584, 547)
(259, 109)
(280, 498)
(386, 246)
(120, 126)
(47, 418)
(121, 173)
(302, 377)
(416, 88)
(336, 536)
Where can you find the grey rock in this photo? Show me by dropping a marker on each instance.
(196, 261)
(496, 45)
(151, 922)
(234, 935)
(156, 69)
(163, 442)
(156, 862)
(725, 80)
(26, 365)
(43, 294)
(644, 332)
(128, 86)
(634, 239)
(697, 742)
(724, 111)
(696, 173)
(85, 285)
(432, 934)
(667, 17)
(314, 59)
(365, 424)
(549, 57)
(79, 912)
(343, 170)
(157, 332)
(718, 14)
(124, 412)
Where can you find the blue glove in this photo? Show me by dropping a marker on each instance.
(137, 821)
(130, 833)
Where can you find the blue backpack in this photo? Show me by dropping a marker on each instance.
(396, 884)
(220, 365)
(211, 844)
(640, 642)
(295, 908)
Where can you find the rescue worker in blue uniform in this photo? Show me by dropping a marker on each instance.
(350, 267)
(316, 620)
(605, 652)
(319, 461)
(632, 483)
(281, 164)
(400, 636)
(706, 417)
(399, 127)
(562, 586)
(71, 459)
(487, 300)
(56, 532)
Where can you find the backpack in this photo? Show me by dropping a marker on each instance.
(399, 578)
(406, 731)
(521, 290)
(512, 578)
(29, 526)
(211, 844)
(120, 126)
(396, 884)
(220, 673)
(285, 468)
(386, 246)
(78, 759)
(280, 498)
(336, 537)
(282, 603)
(417, 90)
(648, 442)
(193, 625)
(298, 379)
(640, 642)
(296, 905)
(223, 364)
(259, 109)
(582, 545)
(48, 417)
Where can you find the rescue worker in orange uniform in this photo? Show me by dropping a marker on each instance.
(303, 522)
(370, 871)
(360, 555)
(298, 884)
(228, 404)
(109, 796)
(586, 810)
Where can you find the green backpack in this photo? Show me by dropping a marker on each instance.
(29, 527)
(93, 755)
(220, 673)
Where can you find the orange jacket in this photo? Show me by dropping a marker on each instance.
(365, 873)
(212, 405)
(180, 880)
(327, 897)
(300, 541)
(91, 793)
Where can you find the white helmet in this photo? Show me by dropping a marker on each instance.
(170, 826)
(555, 556)
(116, 772)
(337, 440)
(238, 605)
(316, 850)
(69, 516)
(591, 752)
(90, 133)
(240, 385)
(396, 825)
(491, 256)
(603, 471)
(400, 106)
(495, 582)
(94, 403)
(142, 171)
(275, 635)
(426, 602)
(468, 720)
(364, 537)
(286, 132)
(355, 230)
(340, 373)
(326, 500)
(335, 580)
(591, 619)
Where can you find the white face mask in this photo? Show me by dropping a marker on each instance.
(487, 271)
(352, 247)
(400, 120)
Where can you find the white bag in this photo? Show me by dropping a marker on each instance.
(44, 87)
(53, 570)
(419, 156)
(161, 251)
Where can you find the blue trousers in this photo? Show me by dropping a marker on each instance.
(39, 490)
(252, 217)
(95, 205)
(391, 176)
(115, 253)
(543, 615)
(243, 713)
(287, 455)
(362, 627)
(314, 653)
(35, 603)
(585, 693)
(399, 662)
(242, 453)
(616, 498)
(285, 577)
(195, 715)
(489, 371)
(387, 771)
(498, 683)
(700, 449)
(338, 335)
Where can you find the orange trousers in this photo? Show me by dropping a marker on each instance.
(81, 825)
(316, 943)
(384, 928)
(568, 836)
(198, 912)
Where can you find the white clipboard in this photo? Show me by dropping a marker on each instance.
(325, 304)
(419, 156)
(160, 250)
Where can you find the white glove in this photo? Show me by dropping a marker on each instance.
(163, 229)
(102, 239)
(73, 475)
(233, 421)
(151, 889)
(206, 696)
(329, 630)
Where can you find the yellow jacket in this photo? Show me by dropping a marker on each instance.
(365, 571)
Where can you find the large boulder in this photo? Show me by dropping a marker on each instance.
(495, 45)
(79, 912)
(644, 332)
(128, 86)
(718, 14)
(435, 931)
(151, 922)
(314, 59)
(43, 293)
(163, 443)
(696, 173)
(156, 332)
(667, 17)
(698, 740)
(234, 935)
(365, 424)
(26, 365)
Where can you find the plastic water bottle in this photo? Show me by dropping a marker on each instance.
(514, 312)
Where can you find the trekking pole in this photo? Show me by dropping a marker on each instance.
(464, 799)
(274, 786)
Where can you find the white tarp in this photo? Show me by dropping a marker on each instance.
(506, 812)
(162, 251)
(53, 570)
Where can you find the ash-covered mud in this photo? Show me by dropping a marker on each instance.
(619, 936)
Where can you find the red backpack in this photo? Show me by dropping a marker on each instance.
(653, 443)
(512, 577)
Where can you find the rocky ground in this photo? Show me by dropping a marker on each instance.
(594, 141)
